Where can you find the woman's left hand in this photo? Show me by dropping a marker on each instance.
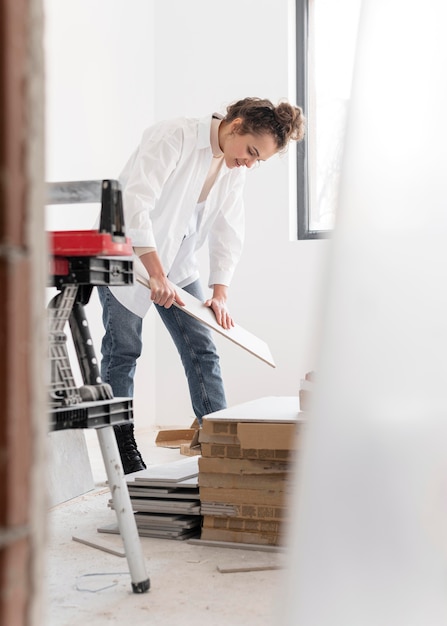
(218, 304)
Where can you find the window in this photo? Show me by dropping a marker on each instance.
(326, 33)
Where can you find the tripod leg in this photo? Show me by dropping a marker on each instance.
(123, 509)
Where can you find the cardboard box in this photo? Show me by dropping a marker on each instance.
(276, 482)
(190, 449)
(270, 423)
(266, 539)
(209, 427)
(270, 497)
(268, 436)
(228, 451)
(245, 471)
(204, 437)
(255, 435)
(252, 511)
(242, 466)
(242, 524)
(174, 438)
(187, 439)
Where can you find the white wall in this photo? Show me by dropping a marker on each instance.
(113, 68)
(99, 95)
(204, 59)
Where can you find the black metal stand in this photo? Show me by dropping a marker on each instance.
(92, 405)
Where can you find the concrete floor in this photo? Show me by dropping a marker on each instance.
(85, 584)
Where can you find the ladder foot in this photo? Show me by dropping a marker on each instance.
(141, 587)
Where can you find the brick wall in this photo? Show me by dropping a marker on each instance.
(19, 336)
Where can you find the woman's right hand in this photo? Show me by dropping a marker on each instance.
(163, 292)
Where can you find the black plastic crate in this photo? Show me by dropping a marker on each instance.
(95, 271)
(92, 414)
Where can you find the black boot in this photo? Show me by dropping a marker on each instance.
(130, 456)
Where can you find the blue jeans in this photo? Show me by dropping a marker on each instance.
(122, 344)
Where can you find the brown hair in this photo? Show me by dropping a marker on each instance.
(259, 116)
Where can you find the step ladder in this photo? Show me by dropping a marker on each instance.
(79, 261)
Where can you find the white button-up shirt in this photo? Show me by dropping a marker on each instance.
(161, 185)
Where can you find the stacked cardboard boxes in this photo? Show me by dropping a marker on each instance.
(246, 470)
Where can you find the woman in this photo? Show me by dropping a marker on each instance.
(181, 187)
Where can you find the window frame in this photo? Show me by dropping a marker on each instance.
(302, 65)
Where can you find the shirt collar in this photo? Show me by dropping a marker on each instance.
(214, 135)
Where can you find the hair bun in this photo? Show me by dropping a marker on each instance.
(284, 121)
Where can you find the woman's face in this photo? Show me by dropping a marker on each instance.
(245, 150)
